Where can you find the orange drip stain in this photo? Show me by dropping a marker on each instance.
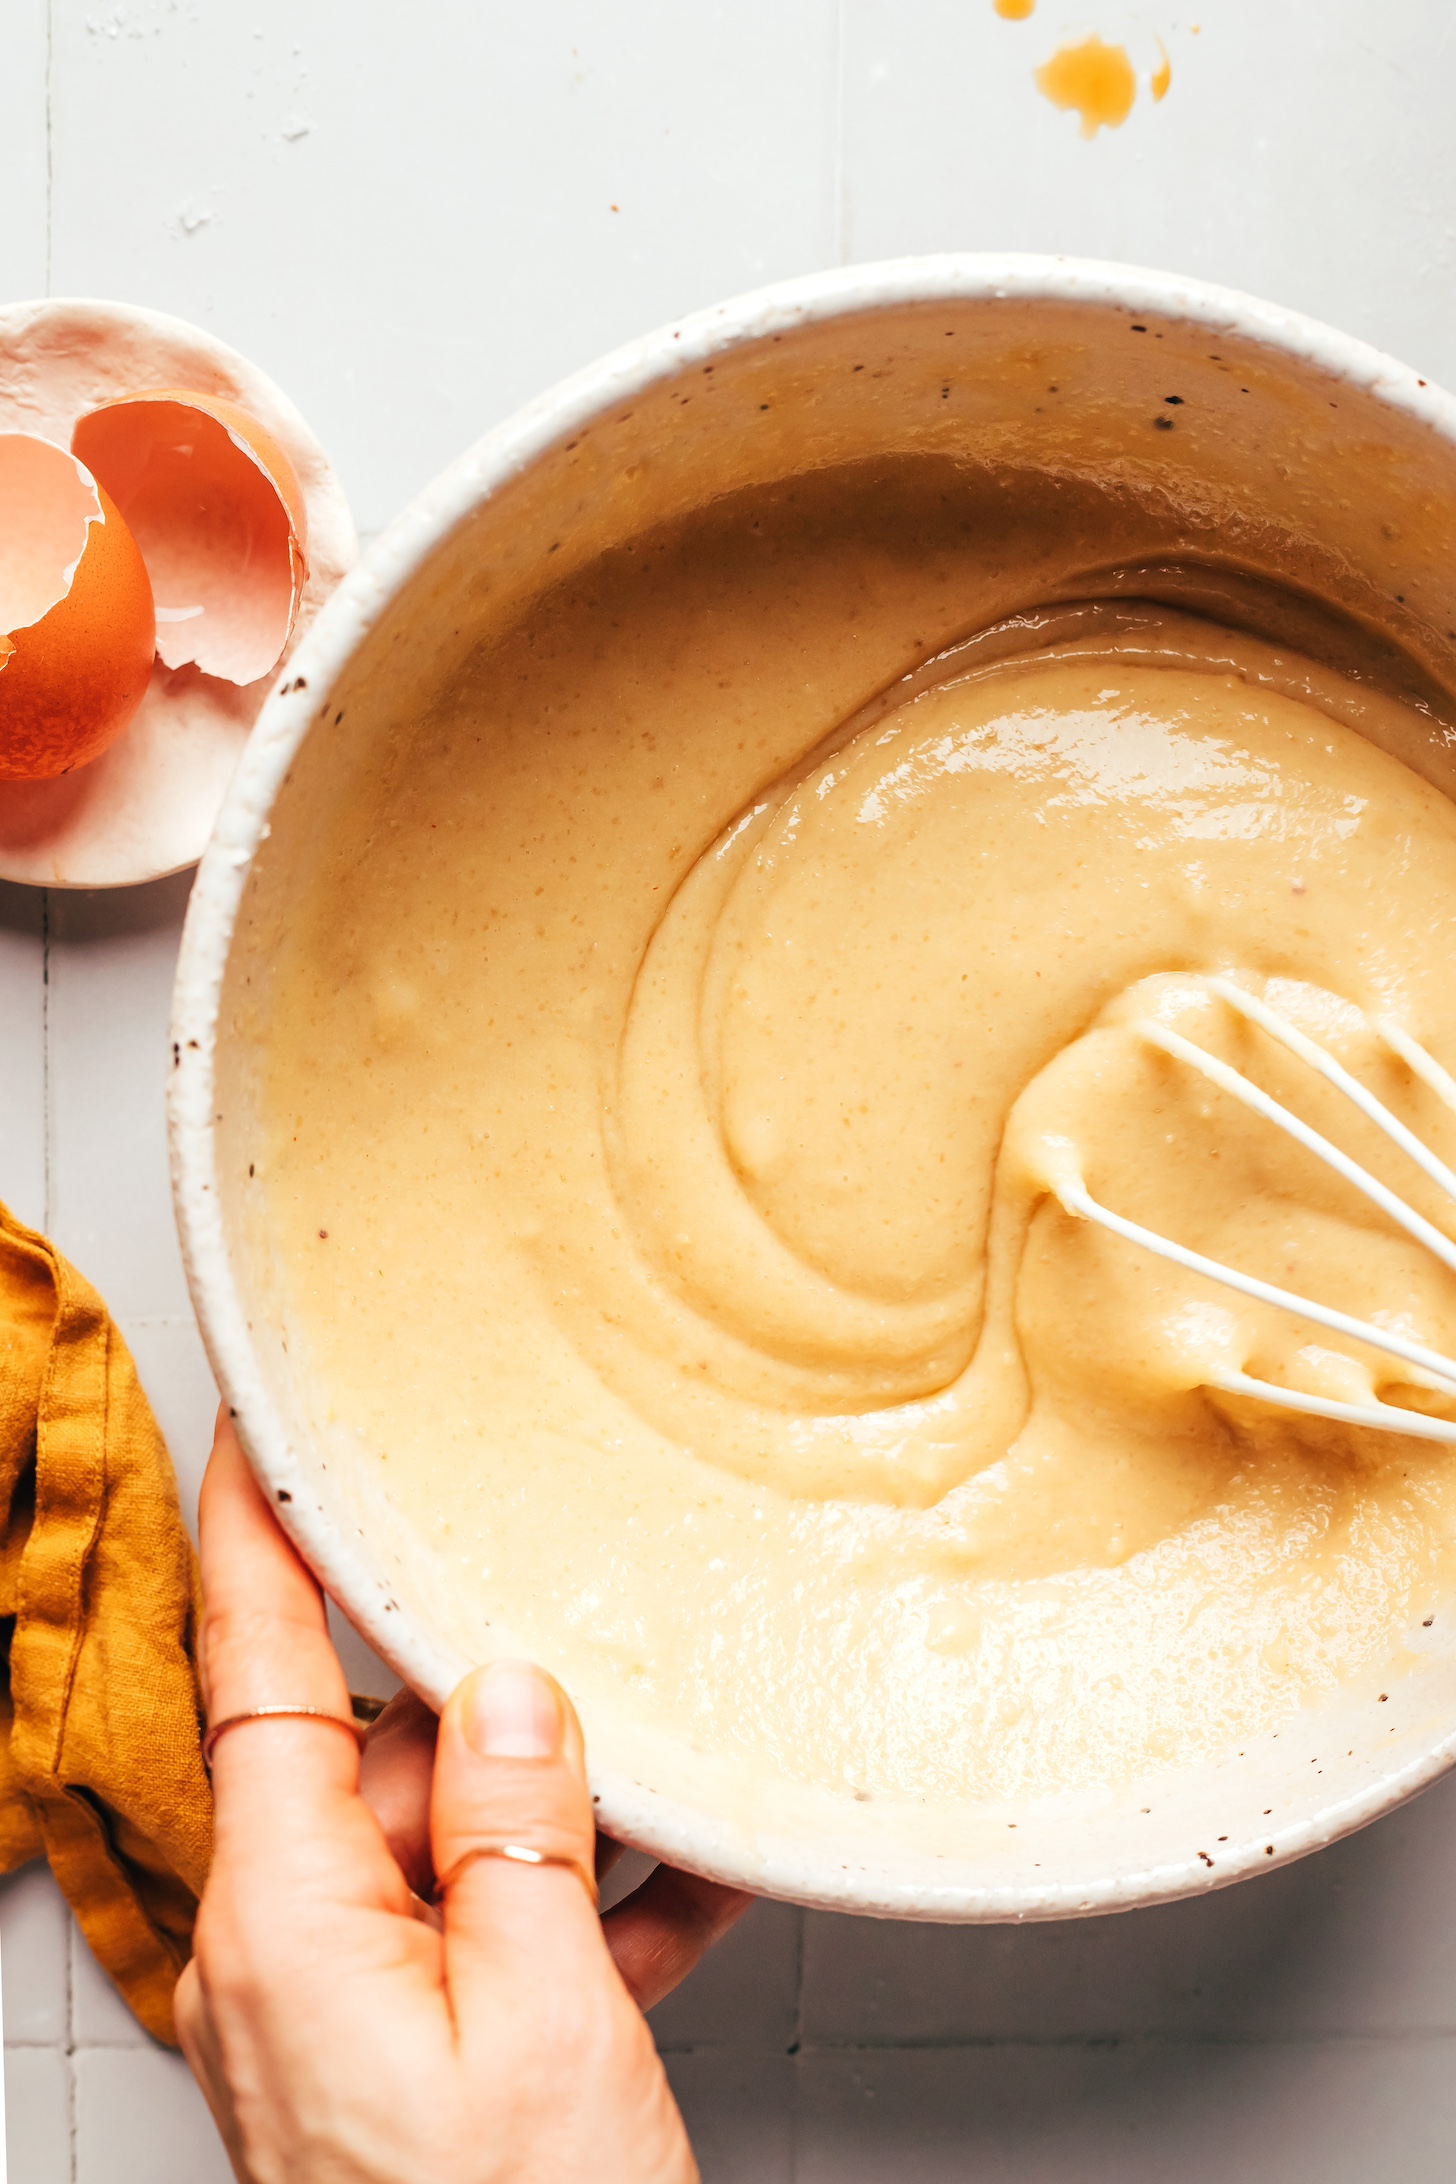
(1093, 80)
(1015, 11)
(1162, 75)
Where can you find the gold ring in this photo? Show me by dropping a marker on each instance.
(519, 1854)
(356, 1728)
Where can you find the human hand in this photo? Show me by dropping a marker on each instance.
(341, 2036)
(656, 1935)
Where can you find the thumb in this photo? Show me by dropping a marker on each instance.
(513, 1839)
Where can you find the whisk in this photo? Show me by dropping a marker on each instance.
(1387, 1417)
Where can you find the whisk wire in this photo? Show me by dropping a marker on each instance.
(1252, 1095)
(1418, 1061)
(1386, 1417)
(1076, 1198)
(1413, 1055)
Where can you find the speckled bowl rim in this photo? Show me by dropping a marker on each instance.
(685, 1835)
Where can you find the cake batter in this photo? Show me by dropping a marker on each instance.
(672, 1070)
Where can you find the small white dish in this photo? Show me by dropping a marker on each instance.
(147, 805)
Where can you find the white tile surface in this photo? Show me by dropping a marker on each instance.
(745, 1993)
(173, 1369)
(1329, 2112)
(24, 44)
(38, 2115)
(1300, 153)
(739, 2112)
(141, 2120)
(410, 219)
(111, 964)
(34, 1924)
(99, 2017)
(22, 1053)
(1361, 1939)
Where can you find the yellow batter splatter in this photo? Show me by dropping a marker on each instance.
(1162, 75)
(1015, 11)
(1093, 80)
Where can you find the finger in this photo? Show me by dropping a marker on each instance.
(394, 1781)
(283, 1788)
(395, 1774)
(659, 1933)
(263, 1612)
(198, 2039)
(509, 1769)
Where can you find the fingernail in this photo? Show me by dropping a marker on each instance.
(514, 1712)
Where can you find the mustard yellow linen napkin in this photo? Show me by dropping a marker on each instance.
(100, 1739)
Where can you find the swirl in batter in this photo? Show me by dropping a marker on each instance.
(714, 1000)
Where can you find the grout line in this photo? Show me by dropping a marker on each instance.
(796, 2049)
(72, 1936)
(4, 2106)
(72, 2119)
(45, 1054)
(1057, 2043)
(50, 165)
(143, 2046)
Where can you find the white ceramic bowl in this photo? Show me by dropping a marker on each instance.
(1290, 443)
(146, 806)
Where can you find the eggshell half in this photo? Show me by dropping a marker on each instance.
(76, 609)
(214, 505)
(146, 806)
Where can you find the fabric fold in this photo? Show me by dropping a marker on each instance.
(100, 1731)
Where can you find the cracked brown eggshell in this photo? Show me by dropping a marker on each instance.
(213, 503)
(77, 632)
(146, 805)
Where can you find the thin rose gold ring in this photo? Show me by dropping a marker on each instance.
(356, 1727)
(519, 1854)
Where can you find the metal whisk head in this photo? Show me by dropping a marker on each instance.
(1387, 1417)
